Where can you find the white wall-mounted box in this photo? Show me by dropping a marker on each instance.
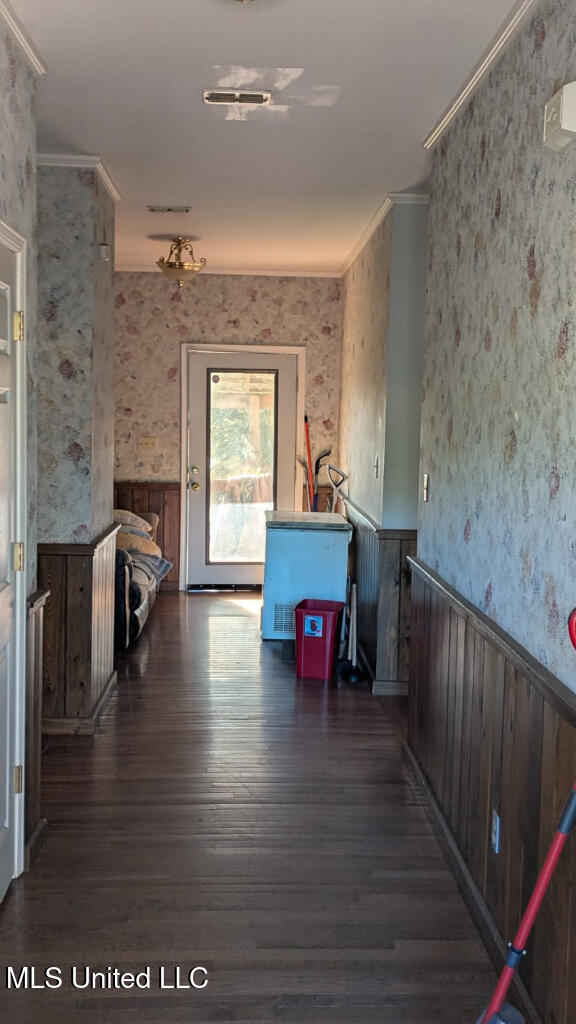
(560, 117)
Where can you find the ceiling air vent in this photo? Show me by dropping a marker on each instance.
(168, 209)
(231, 98)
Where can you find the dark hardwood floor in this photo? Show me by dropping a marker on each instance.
(229, 816)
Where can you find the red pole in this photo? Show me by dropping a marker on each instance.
(518, 947)
(309, 457)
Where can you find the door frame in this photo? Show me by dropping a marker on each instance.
(186, 349)
(17, 244)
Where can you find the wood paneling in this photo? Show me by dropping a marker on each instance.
(382, 579)
(34, 824)
(78, 657)
(164, 499)
(491, 729)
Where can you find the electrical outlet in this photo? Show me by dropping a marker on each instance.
(148, 444)
(495, 834)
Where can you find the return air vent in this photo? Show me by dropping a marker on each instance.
(283, 618)
(168, 209)
(229, 97)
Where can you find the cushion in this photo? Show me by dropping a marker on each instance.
(135, 531)
(126, 518)
(133, 542)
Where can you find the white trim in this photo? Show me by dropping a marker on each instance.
(23, 39)
(133, 269)
(409, 198)
(285, 350)
(372, 225)
(17, 244)
(508, 30)
(93, 163)
(392, 199)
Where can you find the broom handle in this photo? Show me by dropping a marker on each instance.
(518, 947)
(309, 457)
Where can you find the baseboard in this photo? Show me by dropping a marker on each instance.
(381, 687)
(82, 726)
(389, 688)
(495, 945)
(34, 844)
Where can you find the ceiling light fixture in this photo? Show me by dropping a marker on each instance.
(181, 265)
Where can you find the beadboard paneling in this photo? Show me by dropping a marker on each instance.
(490, 729)
(383, 595)
(78, 658)
(34, 822)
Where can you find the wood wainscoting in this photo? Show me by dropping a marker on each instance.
(164, 499)
(492, 730)
(34, 823)
(382, 579)
(78, 632)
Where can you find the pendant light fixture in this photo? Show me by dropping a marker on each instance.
(181, 265)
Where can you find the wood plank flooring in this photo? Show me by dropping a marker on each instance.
(229, 816)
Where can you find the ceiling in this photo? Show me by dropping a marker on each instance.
(291, 188)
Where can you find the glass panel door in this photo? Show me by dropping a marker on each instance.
(241, 462)
(240, 459)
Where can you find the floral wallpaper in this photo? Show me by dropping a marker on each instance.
(75, 414)
(499, 398)
(364, 366)
(18, 210)
(103, 367)
(154, 318)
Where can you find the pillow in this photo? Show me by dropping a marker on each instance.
(126, 518)
(132, 542)
(134, 530)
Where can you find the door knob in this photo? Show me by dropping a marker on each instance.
(195, 485)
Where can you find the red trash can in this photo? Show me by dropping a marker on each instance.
(318, 629)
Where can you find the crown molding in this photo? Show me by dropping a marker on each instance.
(92, 163)
(409, 198)
(128, 268)
(23, 39)
(504, 36)
(374, 223)
(392, 199)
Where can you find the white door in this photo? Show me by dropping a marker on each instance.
(11, 640)
(242, 415)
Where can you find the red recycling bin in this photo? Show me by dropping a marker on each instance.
(318, 629)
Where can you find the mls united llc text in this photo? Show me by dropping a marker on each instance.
(85, 977)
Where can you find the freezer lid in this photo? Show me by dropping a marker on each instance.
(306, 521)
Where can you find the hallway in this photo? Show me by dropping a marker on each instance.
(229, 816)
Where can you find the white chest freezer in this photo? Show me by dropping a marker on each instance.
(306, 556)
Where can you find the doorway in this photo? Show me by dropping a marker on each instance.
(239, 457)
(12, 532)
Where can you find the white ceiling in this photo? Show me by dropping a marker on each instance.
(291, 188)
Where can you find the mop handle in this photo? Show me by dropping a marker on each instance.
(518, 947)
(309, 457)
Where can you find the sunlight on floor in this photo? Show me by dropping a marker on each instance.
(248, 604)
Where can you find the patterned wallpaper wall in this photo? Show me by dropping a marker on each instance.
(18, 210)
(154, 318)
(499, 405)
(103, 366)
(364, 356)
(75, 416)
